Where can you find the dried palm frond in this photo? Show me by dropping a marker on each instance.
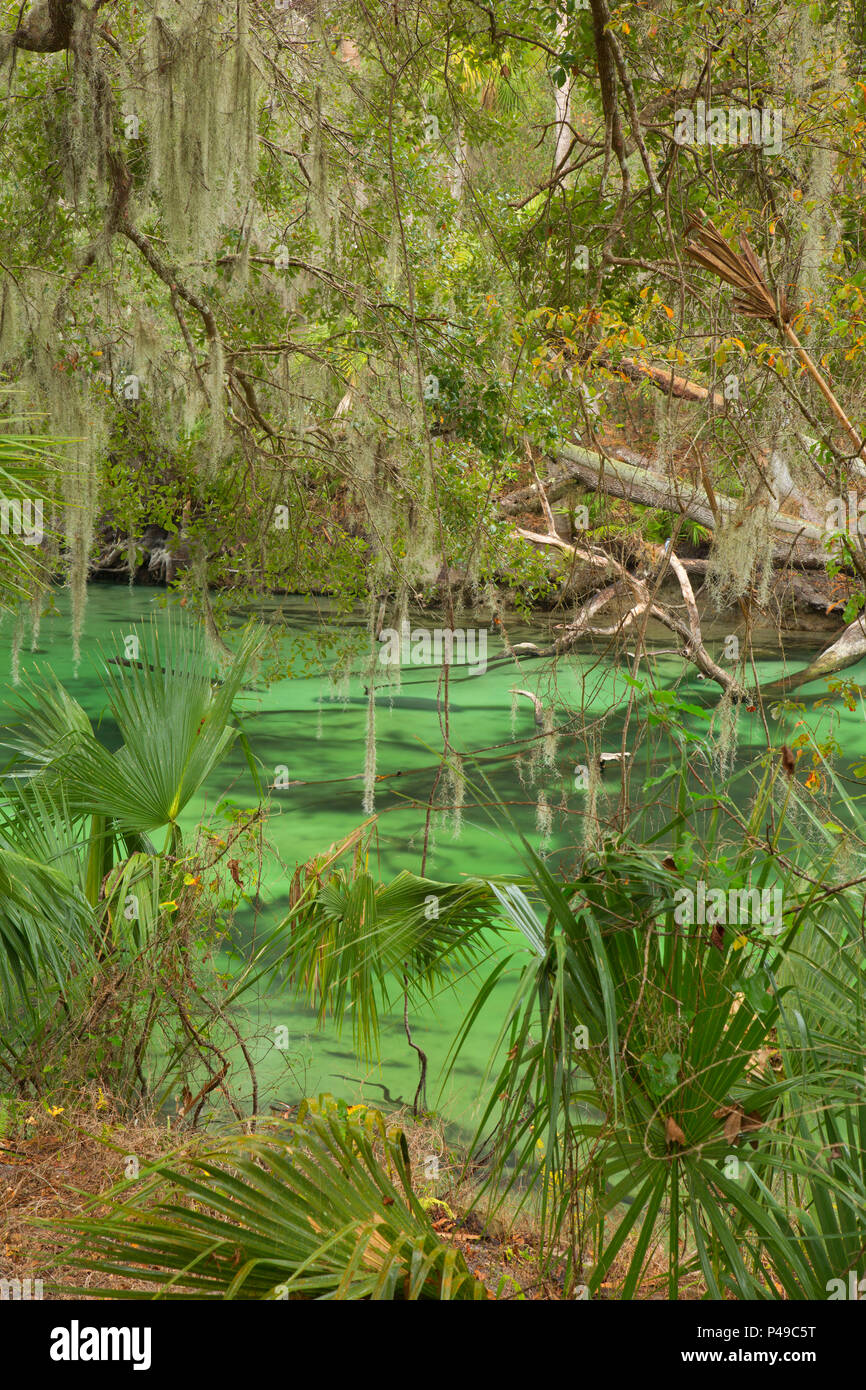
(742, 271)
(754, 299)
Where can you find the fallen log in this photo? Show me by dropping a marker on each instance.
(666, 380)
(558, 484)
(626, 474)
(847, 650)
(648, 488)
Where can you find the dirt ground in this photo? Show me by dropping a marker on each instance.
(56, 1165)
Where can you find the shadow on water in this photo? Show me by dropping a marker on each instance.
(301, 723)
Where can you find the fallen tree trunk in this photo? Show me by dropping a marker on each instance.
(635, 480)
(665, 379)
(559, 483)
(650, 489)
(847, 650)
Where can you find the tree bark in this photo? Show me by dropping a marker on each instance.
(650, 489)
(48, 28)
(847, 650)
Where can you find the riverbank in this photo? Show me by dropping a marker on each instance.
(64, 1165)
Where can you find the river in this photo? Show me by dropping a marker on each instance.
(312, 722)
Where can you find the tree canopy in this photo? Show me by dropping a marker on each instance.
(314, 286)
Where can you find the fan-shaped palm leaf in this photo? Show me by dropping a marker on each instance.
(174, 720)
(46, 924)
(324, 1210)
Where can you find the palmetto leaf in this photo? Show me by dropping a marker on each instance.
(174, 720)
(315, 1212)
(742, 271)
(604, 958)
(348, 942)
(72, 842)
(132, 894)
(46, 924)
(53, 724)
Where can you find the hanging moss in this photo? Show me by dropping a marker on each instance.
(550, 740)
(723, 733)
(369, 801)
(591, 829)
(543, 819)
(320, 205)
(340, 680)
(200, 108)
(148, 345)
(89, 111)
(11, 325)
(76, 416)
(18, 642)
(36, 618)
(216, 416)
(456, 785)
(742, 546)
(42, 574)
(131, 559)
(800, 824)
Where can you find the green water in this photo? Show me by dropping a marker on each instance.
(313, 722)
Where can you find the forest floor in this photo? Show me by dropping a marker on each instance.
(57, 1166)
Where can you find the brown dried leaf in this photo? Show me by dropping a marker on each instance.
(673, 1133)
(733, 1124)
(761, 1061)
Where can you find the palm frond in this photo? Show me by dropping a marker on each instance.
(47, 927)
(175, 721)
(348, 942)
(740, 270)
(323, 1210)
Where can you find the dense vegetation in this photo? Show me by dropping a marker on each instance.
(481, 311)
